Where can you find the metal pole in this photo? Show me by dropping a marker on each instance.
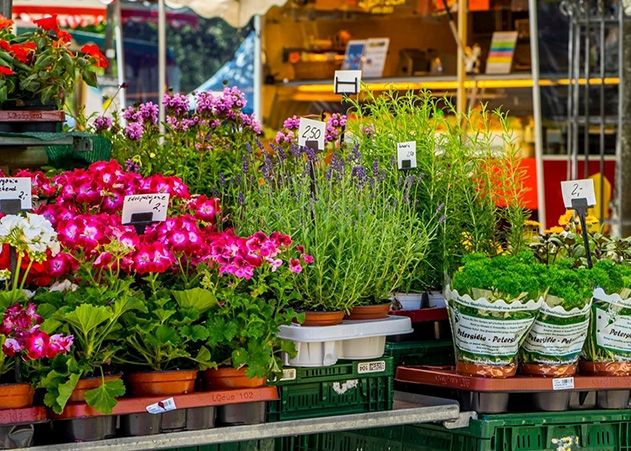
(568, 10)
(576, 92)
(258, 69)
(623, 140)
(587, 71)
(162, 61)
(6, 8)
(462, 74)
(536, 106)
(601, 166)
(120, 53)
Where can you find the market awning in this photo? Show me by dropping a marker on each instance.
(71, 13)
(236, 12)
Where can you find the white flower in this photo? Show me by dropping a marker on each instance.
(64, 285)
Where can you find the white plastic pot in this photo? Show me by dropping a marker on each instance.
(323, 346)
(436, 299)
(409, 301)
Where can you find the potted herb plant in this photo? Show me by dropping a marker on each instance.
(492, 305)
(555, 340)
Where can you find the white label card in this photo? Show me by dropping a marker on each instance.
(371, 367)
(563, 383)
(578, 189)
(157, 204)
(161, 406)
(289, 374)
(17, 188)
(406, 155)
(311, 130)
(347, 81)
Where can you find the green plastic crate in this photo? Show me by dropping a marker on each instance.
(250, 445)
(347, 387)
(376, 439)
(605, 430)
(426, 352)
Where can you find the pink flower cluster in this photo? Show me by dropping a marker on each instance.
(289, 133)
(21, 328)
(101, 187)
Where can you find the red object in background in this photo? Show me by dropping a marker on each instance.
(479, 5)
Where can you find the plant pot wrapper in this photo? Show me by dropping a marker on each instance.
(609, 337)
(554, 342)
(488, 333)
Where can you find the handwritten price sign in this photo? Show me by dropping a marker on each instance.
(578, 189)
(311, 130)
(406, 155)
(17, 188)
(157, 204)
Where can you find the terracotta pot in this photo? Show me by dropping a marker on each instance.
(605, 368)
(476, 370)
(536, 369)
(364, 312)
(227, 378)
(323, 318)
(16, 396)
(89, 383)
(154, 383)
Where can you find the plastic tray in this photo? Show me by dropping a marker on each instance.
(424, 315)
(17, 426)
(350, 387)
(128, 406)
(355, 340)
(377, 439)
(489, 395)
(593, 430)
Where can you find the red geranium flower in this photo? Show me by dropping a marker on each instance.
(4, 70)
(94, 51)
(20, 53)
(48, 23)
(64, 36)
(4, 45)
(5, 23)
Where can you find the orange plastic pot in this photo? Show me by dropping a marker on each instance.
(89, 383)
(16, 396)
(323, 318)
(227, 378)
(366, 312)
(156, 383)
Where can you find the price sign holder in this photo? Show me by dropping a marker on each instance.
(141, 221)
(580, 206)
(579, 196)
(313, 145)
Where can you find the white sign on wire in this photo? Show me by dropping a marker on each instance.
(406, 155)
(347, 81)
(311, 130)
(578, 189)
(17, 188)
(157, 204)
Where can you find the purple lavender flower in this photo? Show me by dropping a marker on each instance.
(442, 219)
(295, 150)
(310, 152)
(222, 180)
(375, 168)
(102, 123)
(244, 164)
(360, 173)
(267, 168)
(356, 156)
(241, 198)
(440, 208)
(337, 163)
(134, 131)
(148, 112)
(248, 147)
(176, 103)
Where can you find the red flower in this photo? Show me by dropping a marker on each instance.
(20, 53)
(94, 51)
(64, 36)
(4, 70)
(4, 45)
(5, 23)
(48, 23)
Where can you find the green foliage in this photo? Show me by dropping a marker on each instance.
(103, 398)
(574, 286)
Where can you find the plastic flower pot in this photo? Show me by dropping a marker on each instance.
(156, 383)
(89, 383)
(408, 301)
(323, 318)
(229, 378)
(16, 396)
(368, 312)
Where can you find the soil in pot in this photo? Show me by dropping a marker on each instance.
(495, 371)
(368, 312)
(89, 383)
(154, 383)
(534, 369)
(323, 318)
(605, 368)
(16, 396)
(229, 378)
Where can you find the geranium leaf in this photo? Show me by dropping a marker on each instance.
(86, 318)
(195, 298)
(103, 398)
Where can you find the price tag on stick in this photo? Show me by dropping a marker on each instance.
(17, 188)
(406, 155)
(311, 130)
(152, 207)
(347, 81)
(579, 195)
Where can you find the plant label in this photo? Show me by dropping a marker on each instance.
(289, 374)
(371, 367)
(563, 383)
(165, 405)
(13, 188)
(578, 189)
(406, 155)
(311, 130)
(157, 204)
(347, 81)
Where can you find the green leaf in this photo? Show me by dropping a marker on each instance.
(86, 318)
(167, 335)
(204, 359)
(103, 398)
(57, 391)
(195, 298)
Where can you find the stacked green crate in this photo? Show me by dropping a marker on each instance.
(343, 388)
(426, 352)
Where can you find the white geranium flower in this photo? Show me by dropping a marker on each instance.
(63, 286)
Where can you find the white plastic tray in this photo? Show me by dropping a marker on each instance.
(323, 346)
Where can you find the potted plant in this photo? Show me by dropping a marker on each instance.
(555, 340)
(492, 305)
(38, 68)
